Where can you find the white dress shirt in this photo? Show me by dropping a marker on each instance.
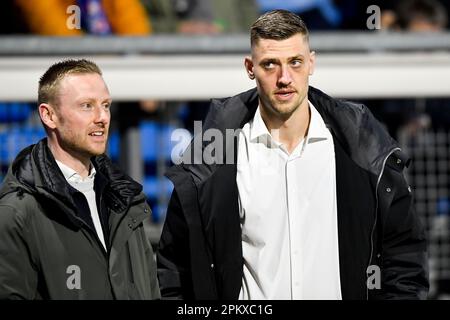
(86, 187)
(288, 214)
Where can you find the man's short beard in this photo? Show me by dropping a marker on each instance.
(77, 150)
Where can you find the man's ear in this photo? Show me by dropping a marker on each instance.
(312, 62)
(248, 62)
(47, 114)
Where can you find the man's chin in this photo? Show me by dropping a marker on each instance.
(93, 152)
(284, 109)
(98, 153)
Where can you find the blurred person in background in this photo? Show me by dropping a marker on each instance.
(196, 18)
(11, 19)
(411, 116)
(317, 14)
(313, 202)
(101, 17)
(354, 14)
(416, 117)
(71, 223)
(416, 16)
(201, 16)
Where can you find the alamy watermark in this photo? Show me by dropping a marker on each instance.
(74, 20)
(216, 147)
(374, 20)
(74, 279)
(373, 277)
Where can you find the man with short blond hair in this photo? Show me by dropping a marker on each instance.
(71, 222)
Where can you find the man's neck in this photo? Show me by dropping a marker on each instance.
(290, 130)
(80, 165)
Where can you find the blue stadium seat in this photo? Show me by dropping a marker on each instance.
(149, 140)
(156, 142)
(157, 145)
(153, 187)
(3, 149)
(114, 146)
(14, 139)
(11, 112)
(443, 206)
(18, 138)
(159, 213)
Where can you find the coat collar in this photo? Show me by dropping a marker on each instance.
(363, 138)
(317, 130)
(35, 171)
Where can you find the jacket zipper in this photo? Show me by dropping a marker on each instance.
(376, 214)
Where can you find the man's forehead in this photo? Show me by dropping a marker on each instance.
(298, 37)
(79, 84)
(281, 54)
(82, 82)
(81, 77)
(294, 43)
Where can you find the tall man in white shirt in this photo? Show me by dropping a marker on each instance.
(71, 223)
(314, 205)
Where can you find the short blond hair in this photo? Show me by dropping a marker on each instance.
(50, 81)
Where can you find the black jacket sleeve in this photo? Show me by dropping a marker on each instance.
(18, 277)
(173, 254)
(404, 270)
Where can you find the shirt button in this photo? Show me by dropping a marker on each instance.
(399, 161)
(388, 190)
(130, 226)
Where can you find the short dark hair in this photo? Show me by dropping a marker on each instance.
(277, 25)
(50, 81)
(431, 11)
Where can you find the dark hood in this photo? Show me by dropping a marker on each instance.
(363, 137)
(35, 171)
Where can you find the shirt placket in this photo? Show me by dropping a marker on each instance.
(294, 210)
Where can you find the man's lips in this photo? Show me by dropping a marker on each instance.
(284, 94)
(98, 135)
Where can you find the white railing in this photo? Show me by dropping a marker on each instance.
(349, 65)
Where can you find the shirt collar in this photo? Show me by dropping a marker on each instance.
(259, 131)
(317, 129)
(72, 176)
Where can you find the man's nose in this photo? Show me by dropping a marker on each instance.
(285, 78)
(102, 115)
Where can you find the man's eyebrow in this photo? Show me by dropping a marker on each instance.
(94, 99)
(266, 60)
(298, 56)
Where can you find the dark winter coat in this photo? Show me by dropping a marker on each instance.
(49, 250)
(200, 251)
